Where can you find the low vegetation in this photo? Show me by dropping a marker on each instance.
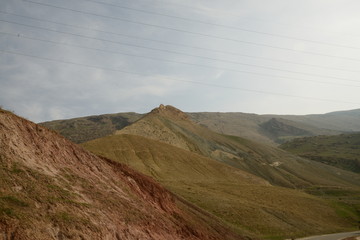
(170, 125)
(243, 201)
(342, 151)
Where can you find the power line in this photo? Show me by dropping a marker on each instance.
(178, 44)
(179, 62)
(263, 20)
(194, 33)
(185, 54)
(175, 79)
(199, 65)
(222, 25)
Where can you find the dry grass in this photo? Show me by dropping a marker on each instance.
(242, 201)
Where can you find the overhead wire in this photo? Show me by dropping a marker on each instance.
(193, 33)
(185, 63)
(178, 44)
(208, 84)
(174, 79)
(262, 20)
(221, 25)
(185, 54)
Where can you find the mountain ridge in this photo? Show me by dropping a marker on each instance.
(245, 125)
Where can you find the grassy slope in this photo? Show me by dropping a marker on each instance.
(85, 129)
(276, 166)
(241, 200)
(342, 151)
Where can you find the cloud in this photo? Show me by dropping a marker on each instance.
(45, 90)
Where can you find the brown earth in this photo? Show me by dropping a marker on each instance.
(51, 188)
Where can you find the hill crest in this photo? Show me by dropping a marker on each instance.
(170, 112)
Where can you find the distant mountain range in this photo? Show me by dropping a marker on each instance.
(268, 129)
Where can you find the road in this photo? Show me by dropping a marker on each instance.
(335, 236)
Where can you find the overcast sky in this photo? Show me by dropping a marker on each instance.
(70, 58)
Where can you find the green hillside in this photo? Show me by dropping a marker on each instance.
(241, 200)
(342, 151)
(170, 125)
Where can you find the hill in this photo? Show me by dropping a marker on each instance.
(53, 189)
(261, 128)
(345, 121)
(267, 129)
(341, 151)
(170, 125)
(243, 201)
(85, 129)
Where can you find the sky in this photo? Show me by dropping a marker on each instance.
(62, 59)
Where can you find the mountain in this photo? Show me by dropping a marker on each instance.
(234, 123)
(251, 126)
(341, 151)
(241, 200)
(175, 169)
(345, 121)
(51, 188)
(170, 125)
(85, 129)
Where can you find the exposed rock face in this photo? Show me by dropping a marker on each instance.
(53, 189)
